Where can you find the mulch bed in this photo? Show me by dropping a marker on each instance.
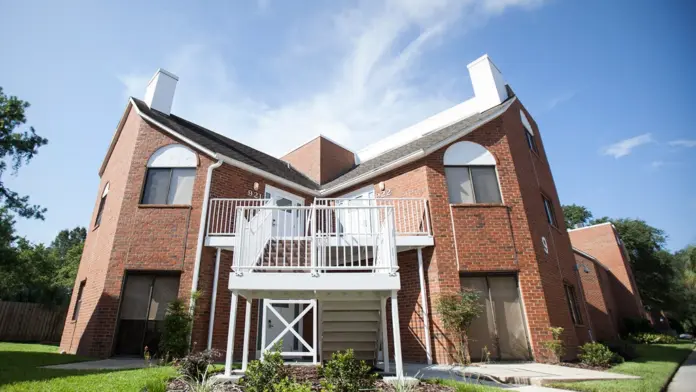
(309, 374)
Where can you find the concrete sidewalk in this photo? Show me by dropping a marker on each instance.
(525, 373)
(685, 378)
(104, 364)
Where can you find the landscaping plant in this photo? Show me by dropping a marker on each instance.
(457, 312)
(597, 354)
(623, 348)
(261, 376)
(652, 338)
(195, 366)
(555, 345)
(174, 343)
(344, 373)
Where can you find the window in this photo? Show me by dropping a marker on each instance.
(102, 202)
(530, 141)
(474, 184)
(529, 133)
(550, 215)
(573, 304)
(171, 171)
(169, 186)
(470, 174)
(78, 302)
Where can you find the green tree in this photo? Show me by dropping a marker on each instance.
(19, 147)
(575, 215)
(457, 312)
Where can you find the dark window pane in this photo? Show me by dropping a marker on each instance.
(156, 186)
(548, 207)
(573, 304)
(459, 185)
(530, 141)
(181, 187)
(100, 211)
(78, 301)
(485, 184)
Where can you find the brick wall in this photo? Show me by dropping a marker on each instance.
(600, 241)
(321, 159)
(598, 297)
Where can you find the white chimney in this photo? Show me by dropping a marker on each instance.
(160, 91)
(488, 82)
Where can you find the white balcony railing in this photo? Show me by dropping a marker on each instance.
(315, 239)
(222, 213)
(411, 215)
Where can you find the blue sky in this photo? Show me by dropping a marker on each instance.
(609, 83)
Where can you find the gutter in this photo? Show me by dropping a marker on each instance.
(201, 228)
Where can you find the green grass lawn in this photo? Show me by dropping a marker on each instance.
(20, 371)
(465, 387)
(655, 365)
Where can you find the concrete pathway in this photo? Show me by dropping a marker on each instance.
(685, 378)
(111, 364)
(512, 374)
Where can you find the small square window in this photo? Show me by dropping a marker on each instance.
(550, 214)
(573, 304)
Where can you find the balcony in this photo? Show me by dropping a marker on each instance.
(326, 238)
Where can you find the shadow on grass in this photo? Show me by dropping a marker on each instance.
(660, 353)
(19, 366)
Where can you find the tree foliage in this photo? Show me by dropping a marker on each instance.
(35, 272)
(576, 215)
(457, 312)
(18, 147)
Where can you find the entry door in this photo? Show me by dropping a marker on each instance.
(286, 223)
(501, 328)
(143, 306)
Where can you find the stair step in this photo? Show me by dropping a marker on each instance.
(355, 326)
(350, 305)
(342, 346)
(350, 316)
(329, 336)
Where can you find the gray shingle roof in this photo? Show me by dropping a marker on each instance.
(228, 147)
(243, 153)
(428, 140)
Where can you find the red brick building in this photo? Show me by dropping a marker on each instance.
(601, 243)
(326, 248)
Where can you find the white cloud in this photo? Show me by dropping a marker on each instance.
(683, 143)
(626, 146)
(562, 98)
(370, 87)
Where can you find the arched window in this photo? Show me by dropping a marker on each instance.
(171, 171)
(470, 173)
(102, 203)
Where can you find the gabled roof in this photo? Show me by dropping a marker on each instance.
(219, 144)
(226, 146)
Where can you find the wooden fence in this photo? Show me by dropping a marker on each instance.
(29, 322)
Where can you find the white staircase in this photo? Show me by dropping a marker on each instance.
(350, 324)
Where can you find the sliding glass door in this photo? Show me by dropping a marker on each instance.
(143, 306)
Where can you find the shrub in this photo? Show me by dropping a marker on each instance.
(195, 366)
(177, 328)
(623, 348)
(555, 345)
(457, 312)
(597, 354)
(261, 376)
(344, 373)
(652, 338)
(156, 385)
(287, 385)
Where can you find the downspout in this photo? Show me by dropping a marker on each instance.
(424, 306)
(201, 230)
(213, 299)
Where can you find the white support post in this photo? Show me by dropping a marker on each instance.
(211, 322)
(247, 331)
(397, 336)
(424, 306)
(230, 335)
(385, 334)
(315, 343)
(264, 324)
